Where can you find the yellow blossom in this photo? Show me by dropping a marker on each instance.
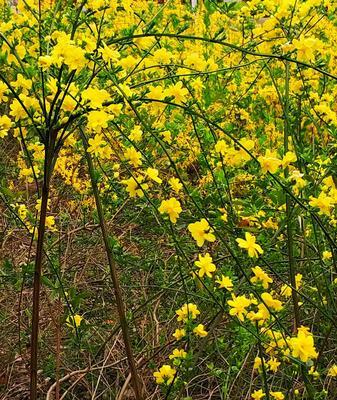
(303, 346)
(238, 306)
(201, 232)
(165, 375)
(250, 245)
(270, 162)
(205, 265)
(171, 207)
(175, 184)
(152, 173)
(200, 330)
(277, 395)
(74, 321)
(258, 394)
(333, 370)
(187, 311)
(271, 302)
(178, 353)
(225, 282)
(261, 276)
(179, 334)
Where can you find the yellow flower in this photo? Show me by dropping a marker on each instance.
(271, 302)
(225, 282)
(133, 156)
(258, 395)
(175, 184)
(98, 120)
(273, 364)
(95, 97)
(45, 62)
(17, 111)
(178, 354)
(134, 186)
(187, 311)
(269, 162)
(50, 223)
(200, 330)
(136, 134)
(261, 315)
(206, 265)
(313, 372)
(178, 92)
(333, 370)
(261, 276)
(323, 202)
(257, 362)
(288, 158)
(152, 173)
(286, 289)
(172, 208)
(303, 346)
(250, 245)
(96, 144)
(74, 321)
(165, 374)
(327, 255)
(201, 231)
(277, 395)
(238, 306)
(109, 54)
(179, 334)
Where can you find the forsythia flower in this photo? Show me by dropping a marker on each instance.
(179, 334)
(258, 395)
(288, 158)
(175, 184)
(133, 156)
(271, 302)
(135, 187)
(225, 282)
(303, 346)
(269, 162)
(261, 276)
(172, 208)
(165, 374)
(200, 330)
(178, 92)
(273, 364)
(200, 232)
(238, 306)
(152, 173)
(323, 202)
(332, 370)
(178, 354)
(250, 245)
(187, 311)
(74, 321)
(277, 395)
(326, 255)
(206, 265)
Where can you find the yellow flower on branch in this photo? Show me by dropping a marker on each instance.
(249, 243)
(238, 306)
(171, 207)
(200, 330)
(201, 232)
(187, 311)
(205, 265)
(165, 374)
